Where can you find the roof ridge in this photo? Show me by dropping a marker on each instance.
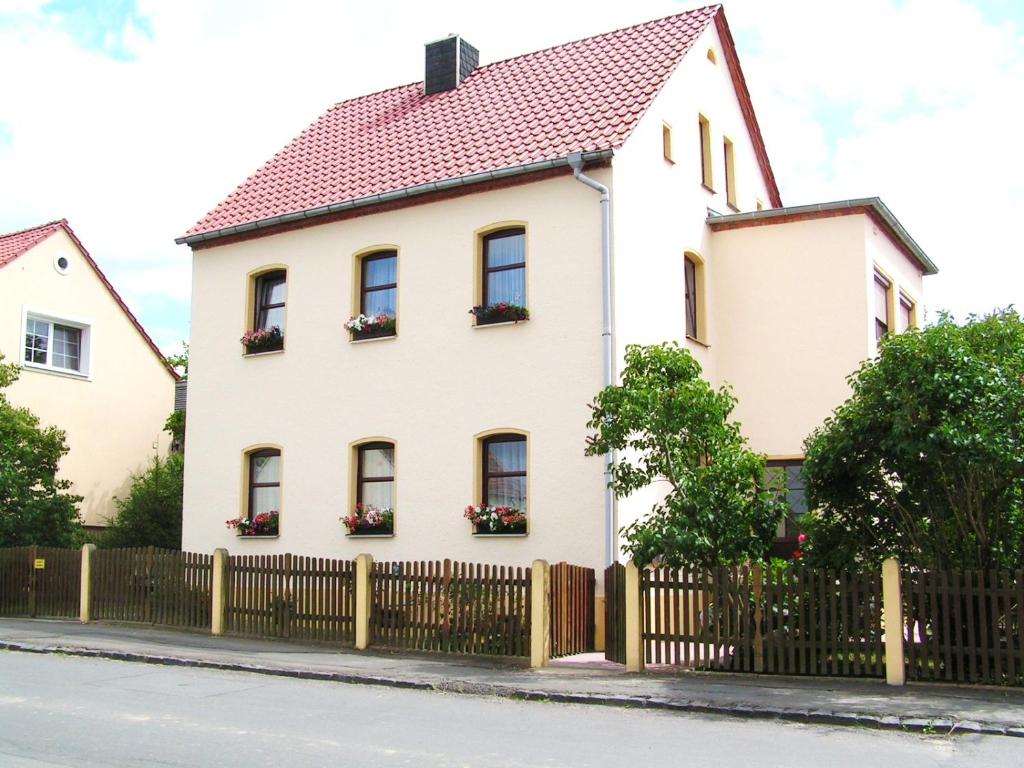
(55, 222)
(599, 34)
(535, 52)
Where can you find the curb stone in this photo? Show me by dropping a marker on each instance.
(747, 711)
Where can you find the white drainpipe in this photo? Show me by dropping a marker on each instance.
(576, 163)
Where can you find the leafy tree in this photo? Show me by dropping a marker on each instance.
(925, 461)
(151, 513)
(180, 361)
(35, 507)
(175, 424)
(673, 428)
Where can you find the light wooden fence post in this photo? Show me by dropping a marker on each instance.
(219, 591)
(634, 620)
(540, 614)
(892, 623)
(364, 600)
(85, 593)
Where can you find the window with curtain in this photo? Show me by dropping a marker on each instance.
(504, 472)
(882, 289)
(504, 277)
(264, 482)
(906, 313)
(379, 284)
(690, 276)
(270, 298)
(375, 481)
(791, 475)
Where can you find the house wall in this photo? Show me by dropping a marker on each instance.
(113, 419)
(431, 389)
(660, 210)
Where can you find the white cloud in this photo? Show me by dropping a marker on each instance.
(916, 101)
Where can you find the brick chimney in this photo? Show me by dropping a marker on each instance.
(449, 62)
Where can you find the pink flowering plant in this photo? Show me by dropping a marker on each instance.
(488, 519)
(502, 312)
(367, 519)
(369, 326)
(263, 340)
(263, 524)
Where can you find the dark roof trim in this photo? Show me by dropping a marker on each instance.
(597, 156)
(872, 207)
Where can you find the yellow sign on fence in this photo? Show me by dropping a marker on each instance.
(40, 564)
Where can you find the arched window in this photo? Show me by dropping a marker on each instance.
(263, 472)
(503, 278)
(374, 511)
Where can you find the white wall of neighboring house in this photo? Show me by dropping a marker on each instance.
(113, 417)
(431, 389)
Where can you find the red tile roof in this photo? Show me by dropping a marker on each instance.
(15, 244)
(582, 96)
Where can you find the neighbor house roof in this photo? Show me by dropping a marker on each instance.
(872, 207)
(585, 96)
(15, 244)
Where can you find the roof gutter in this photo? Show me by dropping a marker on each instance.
(600, 155)
(839, 207)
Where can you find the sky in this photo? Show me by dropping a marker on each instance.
(132, 118)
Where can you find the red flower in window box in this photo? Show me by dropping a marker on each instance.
(263, 524)
(502, 312)
(369, 520)
(488, 519)
(263, 340)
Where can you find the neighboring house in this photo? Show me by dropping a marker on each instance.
(421, 202)
(87, 366)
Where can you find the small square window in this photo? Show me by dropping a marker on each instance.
(56, 344)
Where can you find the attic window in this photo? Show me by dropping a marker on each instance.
(730, 172)
(711, 56)
(666, 142)
(707, 179)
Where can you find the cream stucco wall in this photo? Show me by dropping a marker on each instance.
(432, 389)
(113, 419)
(660, 210)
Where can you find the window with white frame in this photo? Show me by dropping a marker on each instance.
(61, 345)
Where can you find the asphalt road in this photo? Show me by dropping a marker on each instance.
(64, 711)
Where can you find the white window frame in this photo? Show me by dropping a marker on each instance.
(85, 348)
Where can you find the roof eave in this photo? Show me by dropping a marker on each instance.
(594, 156)
(819, 210)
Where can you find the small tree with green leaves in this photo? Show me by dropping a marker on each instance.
(150, 515)
(35, 506)
(925, 460)
(671, 428)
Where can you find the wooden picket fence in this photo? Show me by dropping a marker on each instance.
(615, 613)
(965, 626)
(291, 596)
(452, 607)
(796, 621)
(54, 590)
(572, 609)
(152, 586)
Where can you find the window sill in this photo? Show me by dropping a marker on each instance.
(263, 353)
(478, 326)
(56, 371)
(709, 189)
(388, 337)
(500, 535)
(695, 340)
(259, 536)
(732, 207)
(369, 535)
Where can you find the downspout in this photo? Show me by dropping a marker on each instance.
(576, 163)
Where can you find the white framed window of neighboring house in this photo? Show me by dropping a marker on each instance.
(56, 343)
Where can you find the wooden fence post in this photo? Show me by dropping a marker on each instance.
(892, 623)
(364, 600)
(85, 590)
(757, 583)
(219, 592)
(33, 553)
(540, 614)
(634, 620)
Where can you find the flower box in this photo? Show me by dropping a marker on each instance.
(263, 524)
(367, 520)
(502, 312)
(370, 327)
(496, 521)
(260, 340)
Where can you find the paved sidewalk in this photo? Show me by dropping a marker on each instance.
(582, 680)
